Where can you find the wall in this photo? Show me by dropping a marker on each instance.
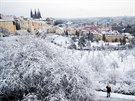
(9, 25)
(111, 38)
(32, 24)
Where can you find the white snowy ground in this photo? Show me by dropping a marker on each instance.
(115, 97)
(114, 65)
(65, 41)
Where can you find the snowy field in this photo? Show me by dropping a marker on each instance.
(117, 67)
(66, 42)
(27, 61)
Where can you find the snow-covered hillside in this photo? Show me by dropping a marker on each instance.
(117, 67)
(31, 64)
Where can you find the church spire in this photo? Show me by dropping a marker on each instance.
(36, 14)
(31, 14)
(39, 14)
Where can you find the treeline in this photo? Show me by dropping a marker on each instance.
(125, 29)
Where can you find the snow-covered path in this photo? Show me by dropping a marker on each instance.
(115, 97)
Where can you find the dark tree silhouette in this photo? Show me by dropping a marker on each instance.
(104, 38)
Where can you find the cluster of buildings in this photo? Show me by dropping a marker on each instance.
(13, 23)
(98, 32)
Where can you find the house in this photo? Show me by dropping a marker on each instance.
(60, 30)
(128, 36)
(52, 29)
(32, 24)
(97, 36)
(9, 24)
(50, 21)
(113, 38)
(71, 31)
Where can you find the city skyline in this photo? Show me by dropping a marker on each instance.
(69, 8)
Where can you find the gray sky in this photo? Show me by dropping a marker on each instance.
(69, 8)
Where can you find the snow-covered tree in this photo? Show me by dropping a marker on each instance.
(81, 42)
(4, 32)
(30, 65)
(72, 44)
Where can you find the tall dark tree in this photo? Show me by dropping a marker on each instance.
(66, 33)
(120, 41)
(116, 40)
(124, 40)
(90, 36)
(104, 38)
(77, 33)
(82, 42)
(18, 26)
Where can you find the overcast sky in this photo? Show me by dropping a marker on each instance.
(69, 8)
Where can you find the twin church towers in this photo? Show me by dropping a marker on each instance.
(36, 14)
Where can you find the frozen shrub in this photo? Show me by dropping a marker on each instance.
(41, 34)
(31, 66)
(72, 44)
(29, 30)
(81, 42)
(4, 32)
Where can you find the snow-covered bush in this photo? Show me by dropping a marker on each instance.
(29, 30)
(107, 67)
(133, 52)
(4, 32)
(98, 65)
(88, 45)
(130, 80)
(72, 44)
(81, 42)
(40, 33)
(33, 65)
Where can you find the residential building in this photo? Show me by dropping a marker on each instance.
(9, 24)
